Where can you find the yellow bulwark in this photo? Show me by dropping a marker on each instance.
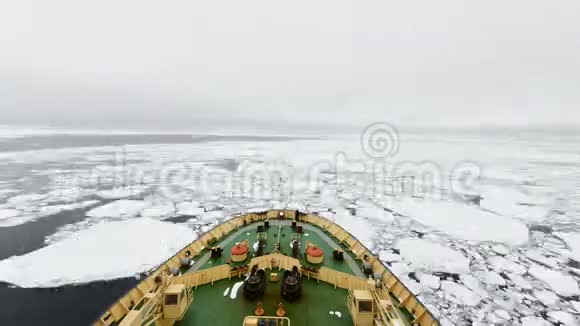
(206, 276)
(275, 261)
(341, 280)
(143, 302)
(211, 275)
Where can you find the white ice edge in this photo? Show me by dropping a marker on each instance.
(430, 256)
(462, 221)
(107, 250)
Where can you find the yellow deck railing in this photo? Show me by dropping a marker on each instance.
(206, 276)
(342, 280)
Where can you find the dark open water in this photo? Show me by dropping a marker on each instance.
(67, 305)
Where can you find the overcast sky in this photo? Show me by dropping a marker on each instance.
(457, 63)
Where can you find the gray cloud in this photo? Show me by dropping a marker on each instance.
(418, 63)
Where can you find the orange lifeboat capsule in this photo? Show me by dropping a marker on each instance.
(239, 253)
(314, 255)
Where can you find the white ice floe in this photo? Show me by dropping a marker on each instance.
(463, 221)
(488, 277)
(431, 256)
(388, 256)
(504, 230)
(5, 192)
(211, 215)
(35, 213)
(500, 249)
(119, 193)
(563, 284)
(7, 131)
(119, 209)
(513, 203)
(459, 294)
(25, 199)
(159, 211)
(473, 284)
(573, 241)
(189, 208)
(565, 318)
(413, 285)
(502, 264)
(546, 297)
(376, 213)
(535, 321)
(72, 194)
(292, 205)
(101, 252)
(502, 314)
(400, 270)
(8, 213)
(359, 227)
(537, 256)
(520, 281)
(54, 209)
(429, 281)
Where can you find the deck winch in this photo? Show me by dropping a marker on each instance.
(338, 254)
(295, 248)
(216, 252)
(255, 285)
(261, 247)
(291, 284)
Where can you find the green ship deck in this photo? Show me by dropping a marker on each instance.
(313, 308)
(315, 305)
(310, 233)
(210, 291)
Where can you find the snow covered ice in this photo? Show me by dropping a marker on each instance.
(560, 282)
(119, 209)
(463, 221)
(104, 251)
(514, 255)
(426, 255)
(12, 217)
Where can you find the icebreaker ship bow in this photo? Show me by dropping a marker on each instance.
(277, 267)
